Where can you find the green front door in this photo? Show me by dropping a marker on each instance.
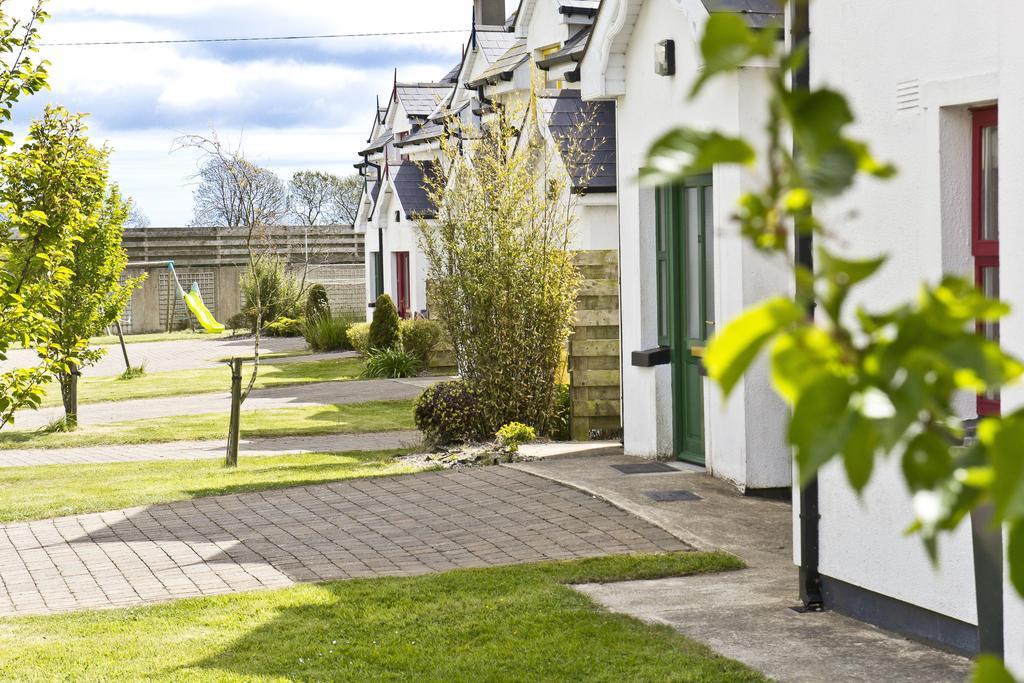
(685, 258)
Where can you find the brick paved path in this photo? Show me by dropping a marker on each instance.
(391, 526)
(297, 396)
(210, 450)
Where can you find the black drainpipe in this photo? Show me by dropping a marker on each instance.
(810, 515)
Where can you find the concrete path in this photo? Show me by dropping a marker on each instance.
(183, 354)
(387, 526)
(297, 396)
(743, 615)
(210, 450)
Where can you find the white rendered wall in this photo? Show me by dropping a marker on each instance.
(1011, 214)
(745, 436)
(867, 49)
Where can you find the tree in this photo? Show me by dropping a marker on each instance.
(500, 272)
(319, 198)
(245, 195)
(96, 297)
(862, 384)
(136, 219)
(233, 192)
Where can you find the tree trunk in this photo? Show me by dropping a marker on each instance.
(69, 392)
(234, 426)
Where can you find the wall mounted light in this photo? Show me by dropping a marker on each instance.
(665, 58)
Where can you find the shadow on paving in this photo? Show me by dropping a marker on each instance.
(385, 526)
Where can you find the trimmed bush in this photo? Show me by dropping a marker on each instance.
(391, 364)
(317, 304)
(515, 434)
(359, 337)
(239, 321)
(285, 327)
(384, 330)
(327, 333)
(449, 413)
(420, 337)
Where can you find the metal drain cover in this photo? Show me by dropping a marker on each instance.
(671, 496)
(645, 468)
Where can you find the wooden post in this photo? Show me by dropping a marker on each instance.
(124, 349)
(71, 407)
(236, 412)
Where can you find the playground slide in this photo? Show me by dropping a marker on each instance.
(194, 301)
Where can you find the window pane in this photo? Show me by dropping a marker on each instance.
(692, 293)
(662, 303)
(990, 183)
(709, 260)
(990, 287)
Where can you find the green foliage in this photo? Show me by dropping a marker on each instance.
(317, 304)
(559, 429)
(327, 333)
(384, 330)
(515, 434)
(449, 413)
(391, 364)
(862, 384)
(501, 276)
(420, 337)
(359, 337)
(285, 327)
(276, 290)
(239, 321)
(134, 372)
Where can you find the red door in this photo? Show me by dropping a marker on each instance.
(402, 283)
(985, 223)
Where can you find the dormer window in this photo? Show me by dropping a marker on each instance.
(398, 216)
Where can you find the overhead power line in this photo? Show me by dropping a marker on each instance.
(249, 40)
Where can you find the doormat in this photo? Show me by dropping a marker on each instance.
(645, 468)
(671, 496)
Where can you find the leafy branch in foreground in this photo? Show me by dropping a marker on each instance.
(862, 384)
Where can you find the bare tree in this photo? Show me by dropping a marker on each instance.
(136, 218)
(320, 198)
(233, 192)
(241, 194)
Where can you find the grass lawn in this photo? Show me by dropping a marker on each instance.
(508, 624)
(207, 380)
(28, 493)
(349, 418)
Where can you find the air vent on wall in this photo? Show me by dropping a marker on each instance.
(908, 95)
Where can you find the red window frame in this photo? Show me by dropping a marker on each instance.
(402, 283)
(985, 252)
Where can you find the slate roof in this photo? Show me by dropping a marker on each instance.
(514, 57)
(420, 99)
(431, 130)
(378, 144)
(757, 13)
(408, 179)
(571, 49)
(494, 44)
(566, 112)
(452, 77)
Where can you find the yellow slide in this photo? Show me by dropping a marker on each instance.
(194, 301)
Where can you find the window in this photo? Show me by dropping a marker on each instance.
(985, 223)
(663, 196)
(378, 274)
(398, 216)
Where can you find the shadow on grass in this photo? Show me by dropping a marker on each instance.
(515, 623)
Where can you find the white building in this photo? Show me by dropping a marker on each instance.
(683, 266)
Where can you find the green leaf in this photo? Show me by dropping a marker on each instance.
(1003, 439)
(685, 152)
(859, 452)
(841, 276)
(990, 669)
(927, 461)
(735, 348)
(822, 423)
(728, 43)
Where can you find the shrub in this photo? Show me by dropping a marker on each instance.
(327, 333)
(448, 413)
(514, 434)
(134, 372)
(558, 427)
(285, 327)
(384, 330)
(317, 304)
(359, 337)
(391, 363)
(419, 337)
(279, 292)
(239, 321)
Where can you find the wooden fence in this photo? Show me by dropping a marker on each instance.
(594, 378)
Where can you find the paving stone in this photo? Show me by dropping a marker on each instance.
(395, 526)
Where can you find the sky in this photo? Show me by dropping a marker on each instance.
(292, 105)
